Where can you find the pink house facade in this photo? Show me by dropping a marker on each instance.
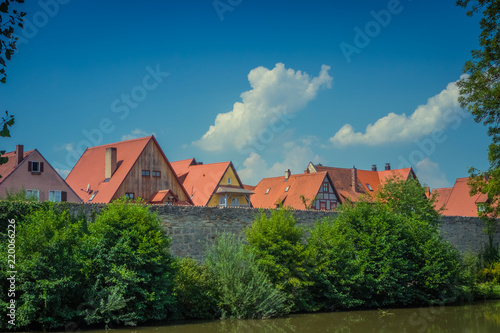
(31, 171)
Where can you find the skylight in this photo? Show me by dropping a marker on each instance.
(369, 187)
(267, 191)
(286, 190)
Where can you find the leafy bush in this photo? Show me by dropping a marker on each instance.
(278, 244)
(196, 295)
(244, 291)
(48, 279)
(128, 267)
(371, 256)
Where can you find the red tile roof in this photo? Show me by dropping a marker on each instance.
(307, 185)
(89, 170)
(7, 168)
(459, 202)
(201, 180)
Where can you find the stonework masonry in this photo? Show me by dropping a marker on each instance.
(192, 227)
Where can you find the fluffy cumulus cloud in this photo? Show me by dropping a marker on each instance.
(137, 133)
(295, 157)
(430, 173)
(439, 112)
(276, 94)
(64, 173)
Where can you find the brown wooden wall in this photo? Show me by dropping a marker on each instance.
(144, 186)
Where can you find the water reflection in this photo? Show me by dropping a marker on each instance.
(478, 318)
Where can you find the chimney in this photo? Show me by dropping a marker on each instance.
(110, 162)
(387, 166)
(374, 167)
(287, 174)
(19, 153)
(354, 178)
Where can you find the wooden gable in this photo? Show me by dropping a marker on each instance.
(157, 176)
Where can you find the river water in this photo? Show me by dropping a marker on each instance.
(477, 318)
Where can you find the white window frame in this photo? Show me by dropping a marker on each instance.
(36, 192)
(53, 195)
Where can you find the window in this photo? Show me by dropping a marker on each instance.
(55, 196)
(35, 167)
(129, 195)
(369, 187)
(286, 190)
(156, 174)
(145, 173)
(33, 194)
(222, 201)
(325, 187)
(267, 191)
(235, 202)
(229, 181)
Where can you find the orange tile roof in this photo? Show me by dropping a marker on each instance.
(201, 180)
(307, 184)
(89, 170)
(249, 187)
(7, 168)
(459, 202)
(342, 180)
(159, 196)
(182, 167)
(366, 179)
(442, 197)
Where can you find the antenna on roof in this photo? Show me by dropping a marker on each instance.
(88, 188)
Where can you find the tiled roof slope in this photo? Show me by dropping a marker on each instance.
(307, 184)
(7, 168)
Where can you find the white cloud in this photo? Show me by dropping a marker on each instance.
(137, 133)
(277, 93)
(63, 173)
(430, 174)
(295, 158)
(439, 112)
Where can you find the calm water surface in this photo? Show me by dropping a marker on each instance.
(477, 318)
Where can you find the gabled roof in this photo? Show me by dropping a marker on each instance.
(90, 169)
(201, 180)
(459, 202)
(307, 185)
(367, 181)
(342, 180)
(7, 168)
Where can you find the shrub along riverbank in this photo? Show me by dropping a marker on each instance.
(117, 269)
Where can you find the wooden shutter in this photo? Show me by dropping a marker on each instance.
(29, 166)
(41, 166)
(64, 196)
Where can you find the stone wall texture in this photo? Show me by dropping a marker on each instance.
(192, 227)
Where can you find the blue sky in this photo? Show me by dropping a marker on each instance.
(268, 85)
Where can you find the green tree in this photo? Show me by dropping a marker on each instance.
(128, 267)
(408, 198)
(371, 256)
(10, 19)
(480, 95)
(279, 245)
